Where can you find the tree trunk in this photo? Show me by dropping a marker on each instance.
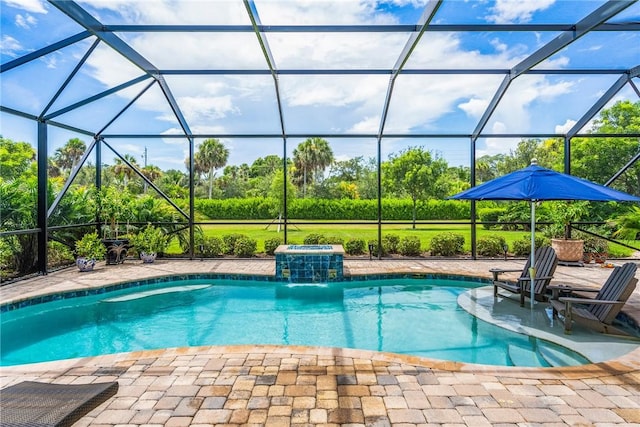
(210, 181)
(414, 214)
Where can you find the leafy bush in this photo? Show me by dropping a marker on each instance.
(91, 246)
(334, 240)
(447, 244)
(314, 239)
(490, 246)
(490, 215)
(57, 254)
(522, 247)
(230, 242)
(354, 246)
(409, 246)
(212, 246)
(390, 243)
(149, 240)
(245, 247)
(271, 244)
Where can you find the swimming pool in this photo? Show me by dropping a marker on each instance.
(418, 317)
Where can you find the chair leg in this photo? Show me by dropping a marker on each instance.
(567, 318)
(521, 299)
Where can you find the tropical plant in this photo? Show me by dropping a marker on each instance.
(91, 246)
(149, 240)
(114, 206)
(562, 214)
(628, 225)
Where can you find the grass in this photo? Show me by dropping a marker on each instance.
(425, 232)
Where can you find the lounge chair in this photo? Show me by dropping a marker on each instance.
(32, 403)
(546, 262)
(599, 312)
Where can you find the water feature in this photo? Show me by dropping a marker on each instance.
(309, 263)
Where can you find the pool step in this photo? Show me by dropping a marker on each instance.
(521, 356)
(555, 357)
(145, 294)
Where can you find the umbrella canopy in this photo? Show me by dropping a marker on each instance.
(535, 183)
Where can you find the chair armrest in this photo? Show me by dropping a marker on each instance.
(571, 288)
(528, 279)
(590, 301)
(497, 271)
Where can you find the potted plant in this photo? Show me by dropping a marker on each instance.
(149, 242)
(89, 249)
(114, 207)
(562, 214)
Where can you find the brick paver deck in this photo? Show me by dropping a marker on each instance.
(295, 386)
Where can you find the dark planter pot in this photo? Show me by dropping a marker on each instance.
(116, 250)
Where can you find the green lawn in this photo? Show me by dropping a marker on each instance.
(296, 233)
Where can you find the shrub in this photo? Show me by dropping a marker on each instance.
(409, 246)
(230, 242)
(57, 254)
(334, 240)
(447, 244)
(245, 247)
(212, 246)
(271, 244)
(149, 240)
(354, 246)
(314, 239)
(390, 243)
(522, 247)
(490, 246)
(91, 246)
(490, 215)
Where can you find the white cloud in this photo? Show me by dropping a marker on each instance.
(27, 21)
(366, 125)
(33, 6)
(517, 11)
(474, 107)
(564, 128)
(10, 46)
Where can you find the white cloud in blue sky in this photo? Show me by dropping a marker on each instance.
(447, 104)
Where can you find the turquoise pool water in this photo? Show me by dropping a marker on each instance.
(418, 317)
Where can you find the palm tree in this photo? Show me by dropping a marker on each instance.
(211, 155)
(67, 156)
(122, 170)
(152, 173)
(312, 157)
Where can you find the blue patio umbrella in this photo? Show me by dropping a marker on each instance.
(535, 184)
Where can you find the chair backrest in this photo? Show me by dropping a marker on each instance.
(618, 287)
(546, 262)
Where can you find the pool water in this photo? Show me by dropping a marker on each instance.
(407, 316)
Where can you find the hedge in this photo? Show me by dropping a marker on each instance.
(332, 209)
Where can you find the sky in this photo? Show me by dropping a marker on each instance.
(312, 105)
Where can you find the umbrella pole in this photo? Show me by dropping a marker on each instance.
(532, 269)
